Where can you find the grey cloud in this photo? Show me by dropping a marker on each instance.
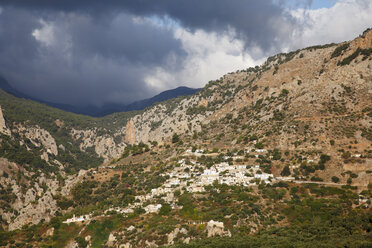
(253, 20)
(90, 61)
(103, 50)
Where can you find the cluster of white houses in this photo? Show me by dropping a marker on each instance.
(188, 177)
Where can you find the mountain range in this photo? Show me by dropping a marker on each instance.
(107, 108)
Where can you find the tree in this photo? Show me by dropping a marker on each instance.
(175, 138)
(346, 155)
(335, 179)
(323, 159)
(277, 155)
(259, 145)
(285, 172)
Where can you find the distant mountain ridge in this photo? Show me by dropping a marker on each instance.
(107, 108)
(142, 104)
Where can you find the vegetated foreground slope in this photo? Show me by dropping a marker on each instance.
(278, 155)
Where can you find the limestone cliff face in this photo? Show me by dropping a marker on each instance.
(130, 133)
(364, 41)
(104, 145)
(3, 127)
(35, 202)
(40, 138)
(159, 123)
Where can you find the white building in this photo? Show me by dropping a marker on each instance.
(77, 219)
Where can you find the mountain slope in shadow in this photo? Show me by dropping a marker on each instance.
(107, 108)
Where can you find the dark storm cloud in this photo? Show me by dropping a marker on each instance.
(257, 22)
(89, 60)
(98, 51)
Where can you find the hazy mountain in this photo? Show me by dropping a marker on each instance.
(107, 108)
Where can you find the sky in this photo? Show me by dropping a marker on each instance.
(94, 52)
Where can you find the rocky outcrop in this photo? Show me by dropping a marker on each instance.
(151, 244)
(34, 202)
(111, 240)
(49, 232)
(104, 145)
(364, 41)
(72, 244)
(160, 122)
(130, 133)
(127, 245)
(3, 127)
(216, 228)
(40, 138)
(173, 235)
(71, 180)
(38, 205)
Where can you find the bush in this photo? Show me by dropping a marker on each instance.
(81, 242)
(277, 155)
(316, 179)
(175, 138)
(64, 203)
(165, 209)
(346, 155)
(337, 52)
(350, 58)
(335, 179)
(285, 172)
(284, 92)
(259, 145)
(323, 159)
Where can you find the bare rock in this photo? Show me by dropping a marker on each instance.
(72, 244)
(40, 138)
(127, 245)
(216, 228)
(111, 240)
(104, 146)
(49, 232)
(3, 127)
(172, 236)
(130, 133)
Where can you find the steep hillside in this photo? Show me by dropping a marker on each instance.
(42, 145)
(306, 86)
(279, 154)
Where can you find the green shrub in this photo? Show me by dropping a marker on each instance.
(175, 138)
(350, 58)
(286, 171)
(165, 209)
(335, 179)
(316, 179)
(338, 51)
